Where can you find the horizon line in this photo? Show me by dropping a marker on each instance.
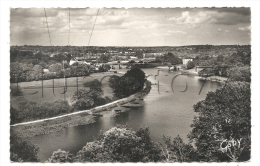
(136, 46)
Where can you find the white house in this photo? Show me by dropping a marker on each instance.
(185, 61)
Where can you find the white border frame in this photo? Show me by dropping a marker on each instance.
(4, 58)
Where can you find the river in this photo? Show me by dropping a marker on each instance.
(165, 112)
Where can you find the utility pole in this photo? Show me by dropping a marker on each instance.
(42, 82)
(77, 88)
(64, 80)
(53, 85)
(16, 81)
(77, 79)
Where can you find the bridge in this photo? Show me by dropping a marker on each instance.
(210, 67)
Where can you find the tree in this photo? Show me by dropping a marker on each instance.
(169, 57)
(190, 65)
(28, 110)
(35, 73)
(222, 131)
(50, 109)
(19, 71)
(22, 151)
(103, 58)
(84, 99)
(137, 74)
(240, 74)
(55, 67)
(139, 54)
(16, 91)
(123, 86)
(220, 58)
(177, 150)
(121, 144)
(94, 85)
(60, 156)
(79, 70)
(106, 67)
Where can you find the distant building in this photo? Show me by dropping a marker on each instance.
(82, 60)
(133, 58)
(154, 54)
(185, 61)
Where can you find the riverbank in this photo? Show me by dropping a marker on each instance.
(192, 72)
(219, 79)
(54, 124)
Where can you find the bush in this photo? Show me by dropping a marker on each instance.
(16, 91)
(15, 116)
(28, 110)
(49, 109)
(22, 151)
(60, 156)
(85, 99)
(55, 67)
(240, 74)
(95, 85)
(82, 104)
(190, 65)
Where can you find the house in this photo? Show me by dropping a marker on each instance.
(133, 58)
(185, 61)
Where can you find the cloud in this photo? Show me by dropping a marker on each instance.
(154, 24)
(136, 24)
(170, 32)
(247, 28)
(33, 12)
(241, 11)
(225, 16)
(193, 20)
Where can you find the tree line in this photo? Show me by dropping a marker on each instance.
(225, 65)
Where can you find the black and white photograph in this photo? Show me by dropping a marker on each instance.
(130, 85)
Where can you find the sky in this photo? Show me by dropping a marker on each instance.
(130, 27)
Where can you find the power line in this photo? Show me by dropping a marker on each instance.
(69, 29)
(47, 26)
(93, 28)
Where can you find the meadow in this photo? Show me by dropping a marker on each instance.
(32, 91)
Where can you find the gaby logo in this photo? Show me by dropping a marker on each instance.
(226, 144)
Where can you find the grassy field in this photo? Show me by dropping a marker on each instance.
(32, 91)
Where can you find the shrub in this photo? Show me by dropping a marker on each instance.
(240, 74)
(22, 151)
(60, 156)
(16, 91)
(190, 65)
(28, 110)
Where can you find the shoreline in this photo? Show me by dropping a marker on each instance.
(219, 79)
(191, 72)
(58, 123)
